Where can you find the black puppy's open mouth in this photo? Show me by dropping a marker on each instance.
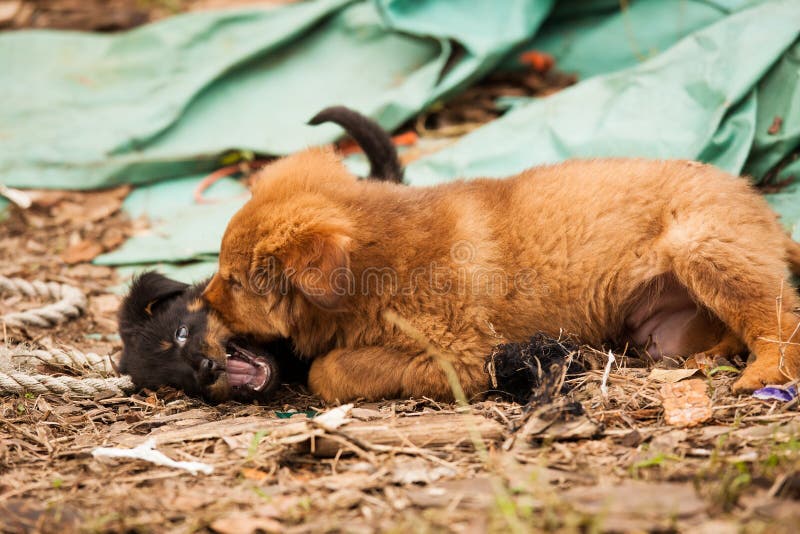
(246, 369)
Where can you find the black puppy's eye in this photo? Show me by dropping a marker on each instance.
(181, 335)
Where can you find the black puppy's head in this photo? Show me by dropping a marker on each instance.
(171, 338)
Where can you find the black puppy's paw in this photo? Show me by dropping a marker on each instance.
(533, 371)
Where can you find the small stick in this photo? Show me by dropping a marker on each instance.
(606, 374)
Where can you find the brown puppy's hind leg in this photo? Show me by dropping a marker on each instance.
(729, 345)
(376, 373)
(740, 274)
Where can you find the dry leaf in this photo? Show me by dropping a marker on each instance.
(669, 442)
(472, 493)
(334, 418)
(90, 206)
(718, 526)
(82, 251)
(105, 304)
(417, 470)
(35, 246)
(344, 499)
(775, 127)
(245, 524)
(686, 403)
(540, 61)
(670, 376)
(254, 474)
(47, 198)
(8, 9)
(28, 515)
(561, 420)
(112, 238)
(365, 414)
(637, 506)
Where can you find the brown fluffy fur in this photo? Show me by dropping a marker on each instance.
(593, 248)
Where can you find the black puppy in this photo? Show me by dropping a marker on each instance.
(171, 338)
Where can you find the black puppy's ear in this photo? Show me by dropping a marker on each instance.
(149, 291)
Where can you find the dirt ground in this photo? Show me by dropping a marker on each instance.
(403, 465)
(664, 450)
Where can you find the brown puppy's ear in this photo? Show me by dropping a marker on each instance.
(317, 264)
(214, 292)
(323, 270)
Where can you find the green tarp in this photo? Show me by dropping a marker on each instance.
(696, 100)
(164, 100)
(659, 78)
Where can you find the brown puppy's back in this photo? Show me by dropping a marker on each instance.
(592, 231)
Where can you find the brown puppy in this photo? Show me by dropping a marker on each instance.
(674, 256)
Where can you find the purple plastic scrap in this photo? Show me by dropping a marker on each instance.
(776, 393)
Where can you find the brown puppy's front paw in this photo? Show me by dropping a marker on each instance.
(757, 376)
(748, 383)
(775, 364)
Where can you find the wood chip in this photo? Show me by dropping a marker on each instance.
(428, 430)
(686, 403)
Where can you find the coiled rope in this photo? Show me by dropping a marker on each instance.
(69, 303)
(88, 387)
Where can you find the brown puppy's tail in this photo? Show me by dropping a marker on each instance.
(376, 143)
(793, 256)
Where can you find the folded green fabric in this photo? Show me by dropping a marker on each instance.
(165, 100)
(696, 100)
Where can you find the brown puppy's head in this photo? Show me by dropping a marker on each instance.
(286, 251)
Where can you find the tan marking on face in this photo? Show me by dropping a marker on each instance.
(165, 345)
(216, 336)
(195, 306)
